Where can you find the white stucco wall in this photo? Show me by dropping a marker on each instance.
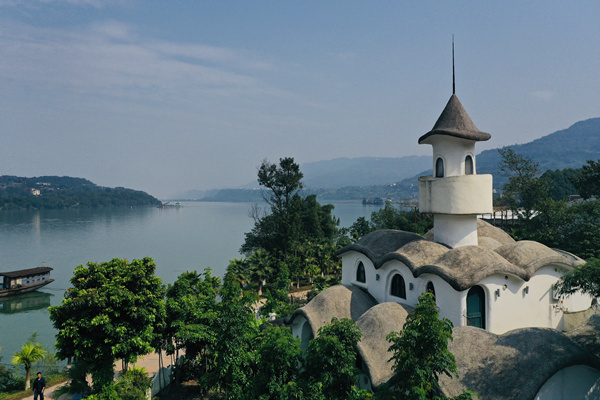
(453, 151)
(466, 194)
(578, 382)
(512, 303)
(449, 300)
(455, 230)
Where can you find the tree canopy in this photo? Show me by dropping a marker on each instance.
(587, 180)
(421, 355)
(291, 218)
(110, 312)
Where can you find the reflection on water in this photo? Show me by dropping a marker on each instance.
(191, 238)
(25, 302)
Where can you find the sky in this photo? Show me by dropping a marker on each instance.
(167, 96)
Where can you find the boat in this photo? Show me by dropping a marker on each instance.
(24, 280)
(169, 205)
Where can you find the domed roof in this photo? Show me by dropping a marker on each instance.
(510, 366)
(454, 121)
(375, 324)
(462, 267)
(340, 301)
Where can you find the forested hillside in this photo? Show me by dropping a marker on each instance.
(52, 192)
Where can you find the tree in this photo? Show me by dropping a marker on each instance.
(584, 278)
(261, 268)
(26, 356)
(236, 328)
(587, 181)
(571, 227)
(278, 360)
(331, 359)
(239, 270)
(291, 217)
(525, 189)
(191, 314)
(420, 354)
(110, 313)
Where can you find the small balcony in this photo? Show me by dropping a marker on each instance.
(459, 195)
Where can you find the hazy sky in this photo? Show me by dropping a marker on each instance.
(165, 96)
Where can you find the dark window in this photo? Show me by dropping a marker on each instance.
(360, 273)
(430, 288)
(439, 168)
(398, 286)
(469, 165)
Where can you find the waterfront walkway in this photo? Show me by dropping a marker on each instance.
(149, 361)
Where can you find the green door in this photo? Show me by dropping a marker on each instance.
(476, 307)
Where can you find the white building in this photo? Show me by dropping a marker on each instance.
(486, 283)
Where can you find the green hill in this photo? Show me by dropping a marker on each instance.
(54, 192)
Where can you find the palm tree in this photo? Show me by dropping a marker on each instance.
(261, 268)
(239, 270)
(30, 353)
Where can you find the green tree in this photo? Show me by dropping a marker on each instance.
(133, 384)
(420, 354)
(525, 188)
(574, 228)
(587, 181)
(239, 270)
(26, 356)
(560, 183)
(584, 278)
(191, 314)
(331, 359)
(278, 360)
(236, 329)
(261, 268)
(291, 218)
(110, 313)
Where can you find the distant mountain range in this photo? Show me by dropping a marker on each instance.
(396, 178)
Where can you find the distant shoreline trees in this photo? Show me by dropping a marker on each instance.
(54, 192)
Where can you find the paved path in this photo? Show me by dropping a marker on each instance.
(150, 362)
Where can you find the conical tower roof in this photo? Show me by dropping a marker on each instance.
(454, 121)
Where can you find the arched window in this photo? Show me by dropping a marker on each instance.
(469, 165)
(439, 168)
(360, 273)
(430, 288)
(398, 287)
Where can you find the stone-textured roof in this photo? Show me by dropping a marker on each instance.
(514, 365)
(462, 267)
(531, 256)
(381, 242)
(587, 334)
(454, 121)
(340, 301)
(465, 266)
(375, 324)
(510, 366)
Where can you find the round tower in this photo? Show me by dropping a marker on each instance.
(455, 194)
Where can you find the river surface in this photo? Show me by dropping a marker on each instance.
(199, 235)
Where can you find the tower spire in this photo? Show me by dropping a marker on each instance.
(453, 76)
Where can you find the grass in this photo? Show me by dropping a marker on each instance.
(51, 380)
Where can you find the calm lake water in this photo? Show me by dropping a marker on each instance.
(197, 236)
